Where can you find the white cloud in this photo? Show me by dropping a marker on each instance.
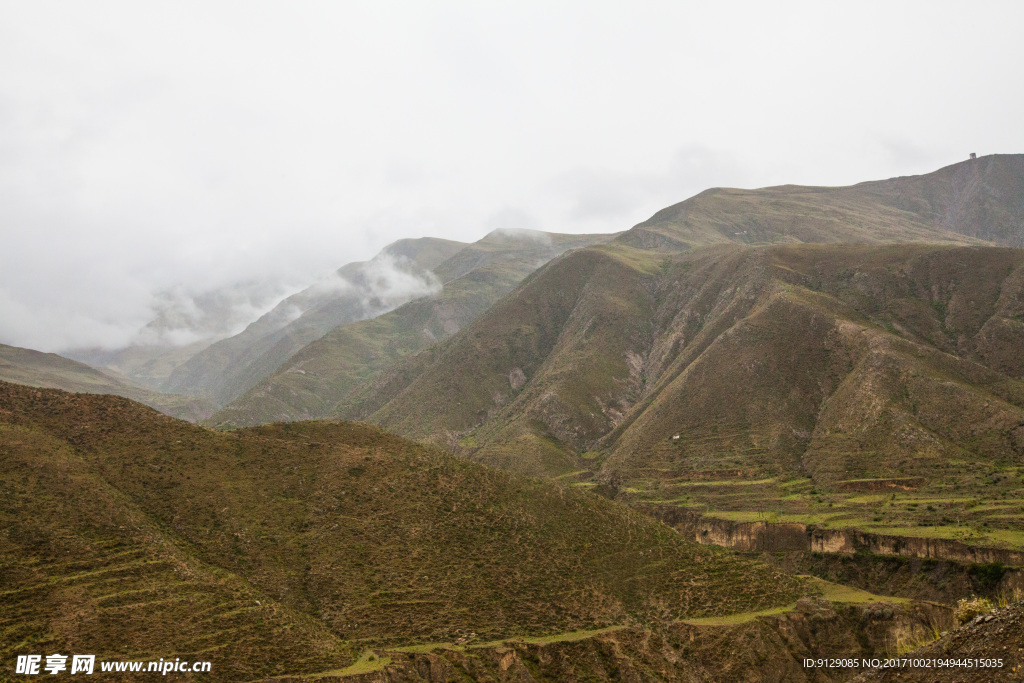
(390, 281)
(201, 145)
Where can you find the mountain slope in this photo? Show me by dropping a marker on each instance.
(341, 375)
(130, 534)
(885, 343)
(562, 361)
(330, 370)
(830, 364)
(533, 364)
(38, 369)
(978, 198)
(399, 273)
(146, 364)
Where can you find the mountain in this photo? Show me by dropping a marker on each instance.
(353, 371)
(327, 371)
(399, 273)
(837, 362)
(297, 549)
(822, 365)
(797, 377)
(972, 202)
(37, 369)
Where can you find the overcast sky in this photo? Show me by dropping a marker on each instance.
(149, 147)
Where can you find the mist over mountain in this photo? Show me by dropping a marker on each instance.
(184, 321)
(400, 272)
(329, 369)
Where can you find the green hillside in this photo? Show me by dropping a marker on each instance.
(533, 374)
(874, 388)
(331, 370)
(293, 548)
(37, 369)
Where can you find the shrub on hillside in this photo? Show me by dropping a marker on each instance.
(968, 608)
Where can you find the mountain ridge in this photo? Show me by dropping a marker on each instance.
(50, 370)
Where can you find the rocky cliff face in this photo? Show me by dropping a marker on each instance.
(782, 537)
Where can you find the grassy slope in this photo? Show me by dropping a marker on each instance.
(37, 369)
(832, 362)
(853, 369)
(328, 377)
(130, 533)
(507, 370)
(830, 333)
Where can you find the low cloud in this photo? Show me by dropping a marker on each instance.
(387, 281)
(183, 317)
(384, 278)
(524, 235)
(376, 286)
(59, 328)
(330, 285)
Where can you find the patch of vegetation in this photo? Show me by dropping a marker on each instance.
(368, 662)
(987, 576)
(740, 617)
(570, 637)
(969, 608)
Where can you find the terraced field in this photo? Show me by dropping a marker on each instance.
(85, 569)
(979, 505)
